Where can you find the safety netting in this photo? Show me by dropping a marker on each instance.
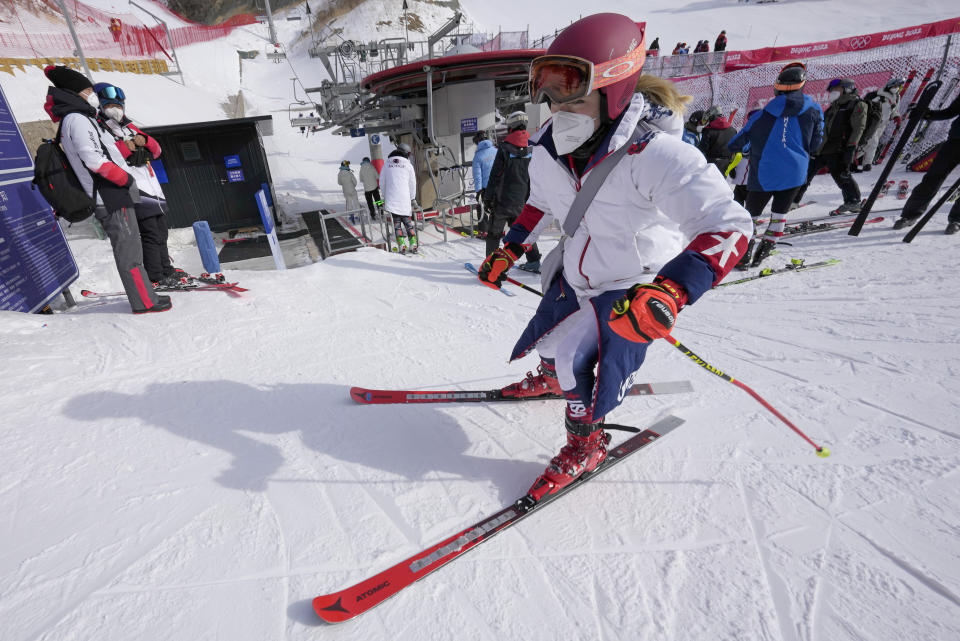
(743, 90)
(37, 29)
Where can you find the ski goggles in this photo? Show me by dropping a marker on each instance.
(561, 78)
(111, 93)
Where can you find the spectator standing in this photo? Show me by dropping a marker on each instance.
(843, 125)
(138, 149)
(692, 128)
(717, 132)
(509, 186)
(655, 45)
(399, 183)
(780, 138)
(721, 42)
(348, 183)
(882, 106)
(98, 165)
(948, 157)
(371, 185)
(482, 163)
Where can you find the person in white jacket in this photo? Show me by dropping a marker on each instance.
(139, 149)
(662, 205)
(888, 99)
(348, 183)
(99, 167)
(398, 181)
(371, 185)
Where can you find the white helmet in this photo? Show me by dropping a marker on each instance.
(517, 120)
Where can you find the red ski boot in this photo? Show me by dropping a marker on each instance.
(585, 449)
(543, 384)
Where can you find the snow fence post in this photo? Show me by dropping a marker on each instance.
(267, 217)
(208, 252)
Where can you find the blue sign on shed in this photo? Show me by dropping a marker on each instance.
(232, 161)
(468, 125)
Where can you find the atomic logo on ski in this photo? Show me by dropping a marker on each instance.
(337, 607)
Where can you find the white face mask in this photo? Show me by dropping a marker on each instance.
(92, 100)
(571, 130)
(833, 95)
(113, 112)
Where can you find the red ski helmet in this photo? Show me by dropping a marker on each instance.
(603, 52)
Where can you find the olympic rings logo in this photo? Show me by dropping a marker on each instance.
(860, 42)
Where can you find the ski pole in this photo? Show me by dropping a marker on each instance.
(926, 217)
(821, 451)
(526, 287)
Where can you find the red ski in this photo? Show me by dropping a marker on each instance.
(230, 288)
(350, 602)
(366, 396)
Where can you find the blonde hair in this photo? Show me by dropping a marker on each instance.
(662, 92)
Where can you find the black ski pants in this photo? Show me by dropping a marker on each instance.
(946, 161)
(757, 200)
(839, 171)
(372, 197)
(153, 237)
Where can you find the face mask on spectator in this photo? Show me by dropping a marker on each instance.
(833, 95)
(114, 112)
(92, 100)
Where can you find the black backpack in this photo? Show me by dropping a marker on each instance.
(58, 184)
(874, 113)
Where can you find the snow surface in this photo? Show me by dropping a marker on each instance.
(202, 474)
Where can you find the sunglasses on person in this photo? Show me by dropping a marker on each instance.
(561, 78)
(112, 93)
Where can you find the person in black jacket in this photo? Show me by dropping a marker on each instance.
(843, 125)
(948, 157)
(721, 43)
(716, 135)
(509, 186)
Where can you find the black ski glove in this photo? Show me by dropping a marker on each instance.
(140, 157)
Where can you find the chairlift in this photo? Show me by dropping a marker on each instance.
(276, 54)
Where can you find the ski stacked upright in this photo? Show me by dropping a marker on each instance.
(922, 129)
(916, 108)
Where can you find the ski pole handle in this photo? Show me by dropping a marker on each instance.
(821, 451)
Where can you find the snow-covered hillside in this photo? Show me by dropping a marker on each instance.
(202, 473)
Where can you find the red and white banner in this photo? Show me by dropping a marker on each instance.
(754, 57)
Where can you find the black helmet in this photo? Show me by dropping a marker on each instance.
(695, 117)
(711, 114)
(793, 76)
(845, 85)
(479, 137)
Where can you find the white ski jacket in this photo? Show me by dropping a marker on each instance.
(369, 176)
(398, 185)
(147, 181)
(659, 198)
(84, 143)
